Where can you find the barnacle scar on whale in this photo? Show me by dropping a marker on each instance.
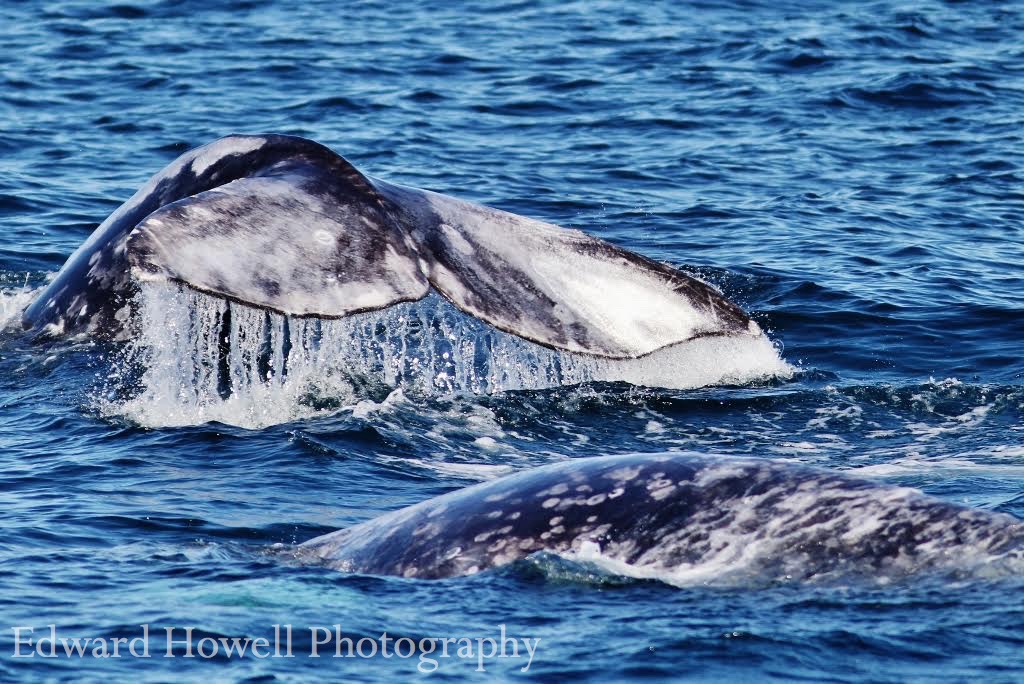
(683, 519)
(284, 224)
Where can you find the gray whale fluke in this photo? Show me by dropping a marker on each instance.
(285, 224)
(681, 516)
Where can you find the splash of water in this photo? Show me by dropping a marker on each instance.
(13, 302)
(197, 358)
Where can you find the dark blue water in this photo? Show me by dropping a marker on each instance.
(851, 173)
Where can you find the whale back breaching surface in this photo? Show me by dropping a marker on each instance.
(686, 519)
(284, 224)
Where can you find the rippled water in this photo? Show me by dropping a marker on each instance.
(848, 172)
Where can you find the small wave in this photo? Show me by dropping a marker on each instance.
(913, 92)
(803, 61)
(523, 108)
(197, 359)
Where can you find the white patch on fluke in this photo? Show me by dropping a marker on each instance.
(214, 152)
(625, 308)
(267, 242)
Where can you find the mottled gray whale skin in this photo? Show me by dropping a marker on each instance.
(91, 290)
(285, 224)
(680, 513)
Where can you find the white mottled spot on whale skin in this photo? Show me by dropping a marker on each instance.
(215, 151)
(456, 240)
(550, 503)
(714, 474)
(323, 237)
(596, 499)
(123, 314)
(557, 520)
(560, 488)
(624, 474)
(493, 514)
(659, 493)
(616, 493)
(427, 530)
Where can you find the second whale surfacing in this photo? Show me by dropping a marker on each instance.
(682, 518)
(286, 225)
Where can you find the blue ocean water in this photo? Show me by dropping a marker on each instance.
(848, 172)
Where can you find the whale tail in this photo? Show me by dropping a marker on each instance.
(285, 224)
(311, 236)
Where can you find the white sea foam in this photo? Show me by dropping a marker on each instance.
(13, 302)
(197, 359)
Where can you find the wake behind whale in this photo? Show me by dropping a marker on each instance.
(684, 519)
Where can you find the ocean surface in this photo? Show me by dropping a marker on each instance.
(848, 172)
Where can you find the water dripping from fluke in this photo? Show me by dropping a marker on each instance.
(195, 358)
